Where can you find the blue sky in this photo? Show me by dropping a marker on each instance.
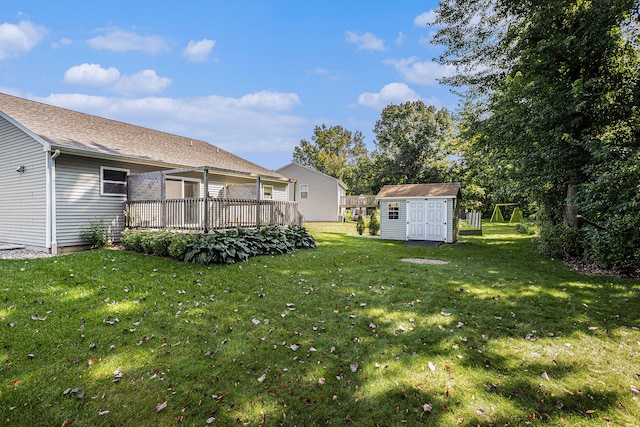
(252, 77)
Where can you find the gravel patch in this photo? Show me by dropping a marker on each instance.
(424, 261)
(22, 254)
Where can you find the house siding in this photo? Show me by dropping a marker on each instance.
(323, 203)
(393, 229)
(78, 199)
(23, 214)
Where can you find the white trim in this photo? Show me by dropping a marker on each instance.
(102, 181)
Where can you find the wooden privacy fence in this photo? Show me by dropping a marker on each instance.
(203, 215)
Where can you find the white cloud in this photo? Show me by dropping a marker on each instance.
(425, 19)
(110, 79)
(21, 38)
(365, 41)
(267, 100)
(118, 40)
(424, 73)
(91, 75)
(401, 39)
(143, 82)
(198, 51)
(255, 126)
(393, 93)
(62, 42)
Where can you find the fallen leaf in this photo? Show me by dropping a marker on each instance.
(210, 420)
(321, 381)
(427, 407)
(635, 389)
(294, 347)
(432, 366)
(353, 367)
(161, 406)
(103, 412)
(262, 378)
(545, 376)
(480, 411)
(16, 383)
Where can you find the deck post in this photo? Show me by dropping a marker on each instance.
(163, 195)
(258, 202)
(206, 201)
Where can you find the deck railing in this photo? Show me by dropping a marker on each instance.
(367, 201)
(213, 214)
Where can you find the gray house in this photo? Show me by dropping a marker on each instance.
(319, 195)
(419, 212)
(60, 169)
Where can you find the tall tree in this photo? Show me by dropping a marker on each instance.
(556, 73)
(333, 150)
(561, 84)
(410, 144)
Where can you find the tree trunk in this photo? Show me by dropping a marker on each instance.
(571, 216)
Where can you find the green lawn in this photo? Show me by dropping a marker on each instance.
(344, 334)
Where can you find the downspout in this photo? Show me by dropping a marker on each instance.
(52, 241)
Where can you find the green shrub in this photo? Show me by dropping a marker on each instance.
(178, 245)
(527, 227)
(223, 247)
(374, 223)
(96, 233)
(561, 241)
(238, 245)
(617, 247)
(160, 242)
(300, 237)
(360, 225)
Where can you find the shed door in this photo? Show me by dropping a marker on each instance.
(436, 221)
(416, 220)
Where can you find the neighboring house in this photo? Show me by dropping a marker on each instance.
(318, 195)
(60, 169)
(419, 212)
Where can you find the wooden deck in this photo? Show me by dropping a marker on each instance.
(213, 214)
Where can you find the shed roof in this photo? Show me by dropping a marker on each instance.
(85, 134)
(420, 190)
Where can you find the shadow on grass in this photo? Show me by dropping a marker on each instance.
(344, 334)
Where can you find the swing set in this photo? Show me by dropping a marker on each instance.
(516, 215)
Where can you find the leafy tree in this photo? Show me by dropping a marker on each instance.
(410, 144)
(374, 223)
(333, 150)
(560, 82)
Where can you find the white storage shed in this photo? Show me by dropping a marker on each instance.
(419, 212)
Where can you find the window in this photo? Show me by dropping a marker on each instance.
(304, 191)
(267, 192)
(394, 210)
(113, 181)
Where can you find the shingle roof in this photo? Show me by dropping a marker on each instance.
(72, 130)
(420, 190)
